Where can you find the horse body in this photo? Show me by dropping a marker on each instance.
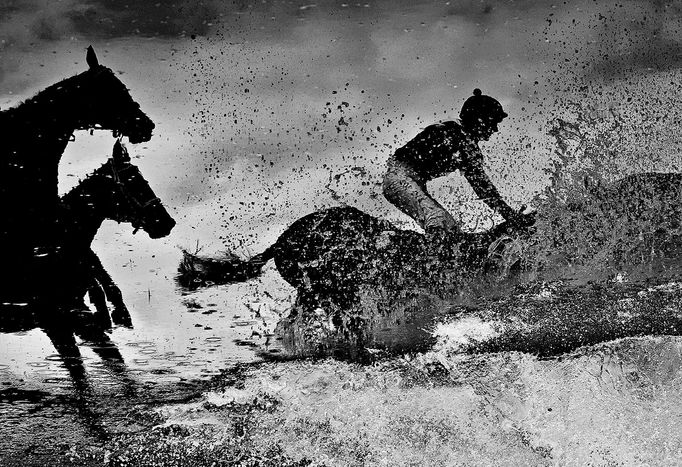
(334, 251)
(36, 134)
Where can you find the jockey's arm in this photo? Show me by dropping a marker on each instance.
(483, 187)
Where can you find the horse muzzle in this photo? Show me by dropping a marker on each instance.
(139, 130)
(159, 228)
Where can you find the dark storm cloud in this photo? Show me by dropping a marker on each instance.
(8, 8)
(24, 22)
(649, 39)
(45, 30)
(660, 55)
(631, 34)
(591, 39)
(119, 18)
(486, 10)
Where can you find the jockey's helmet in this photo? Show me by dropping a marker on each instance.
(481, 108)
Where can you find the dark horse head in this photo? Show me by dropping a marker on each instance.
(93, 99)
(35, 134)
(105, 102)
(117, 191)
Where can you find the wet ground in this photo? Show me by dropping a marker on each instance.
(176, 340)
(190, 386)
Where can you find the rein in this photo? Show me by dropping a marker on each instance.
(122, 188)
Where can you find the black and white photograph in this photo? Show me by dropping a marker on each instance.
(338, 233)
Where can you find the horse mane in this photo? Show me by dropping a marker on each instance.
(83, 184)
(51, 93)
(43, 95)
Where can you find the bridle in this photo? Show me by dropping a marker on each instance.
(139, 205)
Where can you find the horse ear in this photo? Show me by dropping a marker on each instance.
(91, 57)
(120, 154)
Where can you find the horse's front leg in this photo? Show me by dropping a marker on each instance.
(120, 314)
(97, 297)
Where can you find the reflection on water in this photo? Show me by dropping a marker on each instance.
(531, 410)
(191, 335)
(175, 339)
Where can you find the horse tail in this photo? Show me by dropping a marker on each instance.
(196, 271)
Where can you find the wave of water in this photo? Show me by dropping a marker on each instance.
(612, 404)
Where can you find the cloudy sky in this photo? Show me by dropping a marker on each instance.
(268, 110)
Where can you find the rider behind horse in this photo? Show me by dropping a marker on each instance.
(440, 149)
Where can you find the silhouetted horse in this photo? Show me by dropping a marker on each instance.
(328, 254)
(118, 191)
(35, 135)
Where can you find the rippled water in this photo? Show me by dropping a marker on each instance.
(611, 403)
(175, 338)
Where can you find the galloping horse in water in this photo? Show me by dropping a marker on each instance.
(35, 136)
(327, 255)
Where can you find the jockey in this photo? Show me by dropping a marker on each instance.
(442, 148)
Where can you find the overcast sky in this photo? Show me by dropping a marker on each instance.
(268, 110)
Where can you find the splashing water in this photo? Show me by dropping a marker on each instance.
(597, 219)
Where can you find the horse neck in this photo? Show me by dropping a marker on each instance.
(47, 120)
(84, 208)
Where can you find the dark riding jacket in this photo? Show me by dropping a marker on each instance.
(445, 147)
(438, 150)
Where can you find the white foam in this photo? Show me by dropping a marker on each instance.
(465, 332)
(621, 278)
(229, 396)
